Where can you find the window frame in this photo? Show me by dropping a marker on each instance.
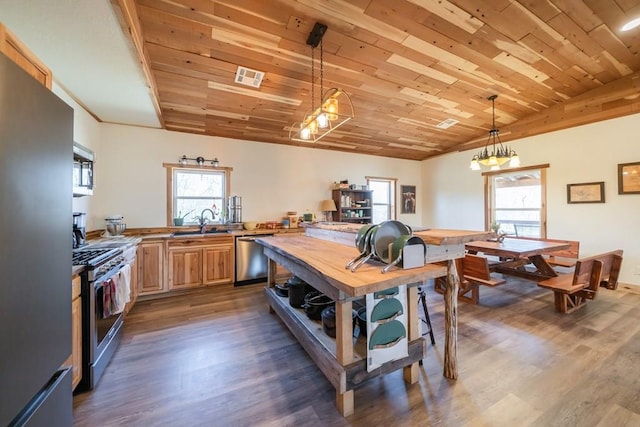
(392, 206)
(489, 211)
(171, 167)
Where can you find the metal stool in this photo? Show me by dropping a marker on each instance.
(422, 298)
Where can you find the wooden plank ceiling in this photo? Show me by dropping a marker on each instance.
(407, 65)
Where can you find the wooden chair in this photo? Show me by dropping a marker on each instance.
(572, 290)
(475, 272)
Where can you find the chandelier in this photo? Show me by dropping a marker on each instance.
(335, 107)
(499, 154)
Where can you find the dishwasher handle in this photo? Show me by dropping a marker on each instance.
(253, 238)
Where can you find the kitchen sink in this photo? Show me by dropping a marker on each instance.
(196, 233)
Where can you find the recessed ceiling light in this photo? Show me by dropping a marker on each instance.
(631, 24)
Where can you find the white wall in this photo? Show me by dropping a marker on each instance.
(271, 179)
(86, 131)
(453, 194)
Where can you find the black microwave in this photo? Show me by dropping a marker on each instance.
(83, 161)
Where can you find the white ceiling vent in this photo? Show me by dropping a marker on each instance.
(446, 124)
(249, 77)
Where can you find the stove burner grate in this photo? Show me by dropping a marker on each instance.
(92, 257)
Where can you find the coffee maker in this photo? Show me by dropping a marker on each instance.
(79, 230)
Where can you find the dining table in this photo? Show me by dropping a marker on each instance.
(519, 257)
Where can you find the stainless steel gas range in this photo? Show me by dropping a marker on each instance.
(101, 325)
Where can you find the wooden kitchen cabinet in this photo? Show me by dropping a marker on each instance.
(355, 206)
(21, 55)
(150, 259)
(218, 264)
(76, 333)
(185, 268)
(200, 261)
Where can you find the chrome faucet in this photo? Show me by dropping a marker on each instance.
(203, 220)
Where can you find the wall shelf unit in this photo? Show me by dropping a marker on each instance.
(353, 206)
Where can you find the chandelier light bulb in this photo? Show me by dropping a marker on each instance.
(313, 125)
(331, 107)
(305, 133)
(515, 160)
(475, 166)
(322, 121)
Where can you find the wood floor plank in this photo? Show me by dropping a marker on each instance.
(217, 357)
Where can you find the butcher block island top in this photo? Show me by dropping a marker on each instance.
(345, 233)
(327, 260)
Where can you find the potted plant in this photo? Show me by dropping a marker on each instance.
(179, 220)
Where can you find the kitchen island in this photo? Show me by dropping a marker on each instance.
(320, 261)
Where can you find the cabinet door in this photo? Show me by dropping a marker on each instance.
(151, 268)
(76, 333)
(185, 268)
(218, 266)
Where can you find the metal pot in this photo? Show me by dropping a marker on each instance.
(298, 288)
(329, 320)
(314, 303)
(282, 289)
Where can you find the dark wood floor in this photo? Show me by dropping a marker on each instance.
(216, 357)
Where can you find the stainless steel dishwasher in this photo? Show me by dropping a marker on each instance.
(251, 263)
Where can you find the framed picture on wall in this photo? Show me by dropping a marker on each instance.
(629, 178)
(408, 199)
(587, 192)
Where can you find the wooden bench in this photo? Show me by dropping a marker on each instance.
(571, 291)
(561, 258)
(475, 271)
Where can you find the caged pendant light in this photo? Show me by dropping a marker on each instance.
(499, 154)
(335, 107)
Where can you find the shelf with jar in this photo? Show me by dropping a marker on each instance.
(353, 205)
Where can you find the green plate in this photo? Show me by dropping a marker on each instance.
(387, 335)
(387, 293)
(386, 310)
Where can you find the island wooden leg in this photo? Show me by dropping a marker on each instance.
(344, 352)
(451, 322)
(410, 373)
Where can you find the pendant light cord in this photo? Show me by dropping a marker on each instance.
(321, 73)
(313, 79)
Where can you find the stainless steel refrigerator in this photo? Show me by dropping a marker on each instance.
(36, 143)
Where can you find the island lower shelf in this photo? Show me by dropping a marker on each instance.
(322, 348)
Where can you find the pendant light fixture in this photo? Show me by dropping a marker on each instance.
(335, 107)
(499, 154)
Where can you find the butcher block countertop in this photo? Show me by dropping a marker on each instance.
(344, 233)
(328, 259)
